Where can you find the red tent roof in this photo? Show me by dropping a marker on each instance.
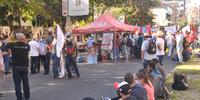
(105, 23)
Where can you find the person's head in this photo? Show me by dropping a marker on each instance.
(159, 34)
(146, 35)
(129, 78)
(124, 91)
(20, 37)
(142, 76)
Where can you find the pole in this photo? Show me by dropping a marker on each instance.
(115, 46)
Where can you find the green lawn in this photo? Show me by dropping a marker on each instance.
(192, 70)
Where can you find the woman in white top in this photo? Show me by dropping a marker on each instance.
(169, 40)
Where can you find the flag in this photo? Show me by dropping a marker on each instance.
(60, 41)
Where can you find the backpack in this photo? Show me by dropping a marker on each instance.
(180, 82)
(151, 47)
(42, 47)
(129, 42)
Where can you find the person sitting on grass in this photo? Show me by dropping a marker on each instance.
(143, 79)
(138, 91)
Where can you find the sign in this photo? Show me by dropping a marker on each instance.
(64, 7)
(107, 41)
(78, 7)
(170, 29)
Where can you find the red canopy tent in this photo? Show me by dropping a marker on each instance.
(105, 23)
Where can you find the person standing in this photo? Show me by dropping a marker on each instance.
(34, 54)
(20, 50)
(70, 59)
(160, 47)
(6, 55)
(43, 55)
(2, 69)
(169, 41)
(116, 46)
(49, 50)
(148, 50)
(179, 46)
(56, 59)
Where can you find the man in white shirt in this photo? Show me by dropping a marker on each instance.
(145, 56)
(179, 46)
(160, 47)
(169, 41)
(34, 54)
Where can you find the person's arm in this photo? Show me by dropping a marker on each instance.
(142, 51)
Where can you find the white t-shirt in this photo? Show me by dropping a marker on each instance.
(169, 39)
(144, 48)
(179, 41)
(161, 42)
(34, 48)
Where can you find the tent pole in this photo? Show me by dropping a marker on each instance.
(115, 45)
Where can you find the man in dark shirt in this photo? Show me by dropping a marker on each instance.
(19, 51)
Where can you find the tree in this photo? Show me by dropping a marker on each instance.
(17, 10)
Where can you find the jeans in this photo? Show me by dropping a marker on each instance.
(21, 75)
(34, 64)
(116, 53)
(43, 60)
(179, 53)
(6, 59)
(170, 47)
(160, 59)
(56, 65)
(145, 63)
(70, 61)
(48, 60)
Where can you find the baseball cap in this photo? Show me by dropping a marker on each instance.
(125, 89)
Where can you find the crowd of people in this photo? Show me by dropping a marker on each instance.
(150, 48)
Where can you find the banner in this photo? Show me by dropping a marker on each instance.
(60, 41)
(170, 29)
(107, 41)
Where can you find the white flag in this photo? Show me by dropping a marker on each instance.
(60, 41)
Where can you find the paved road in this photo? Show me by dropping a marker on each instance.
(96, 81)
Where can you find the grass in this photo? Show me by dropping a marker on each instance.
(192, 70)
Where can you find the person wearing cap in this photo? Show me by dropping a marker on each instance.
(169, 41)
(160, 52)
(138, 91)
(124, 92)
(20, 62)
(145, 56)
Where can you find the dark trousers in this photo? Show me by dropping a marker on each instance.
(160, 59)
(34, 64)
(20, 75)
(48, 61)
(56, 65)
(70, 61)
(43, 61)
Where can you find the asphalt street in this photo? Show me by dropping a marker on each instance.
(95, 81)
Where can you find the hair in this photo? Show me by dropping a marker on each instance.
(129, 78)
(142, 74)
(88, 98)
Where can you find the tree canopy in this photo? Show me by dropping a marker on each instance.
(46, 12)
